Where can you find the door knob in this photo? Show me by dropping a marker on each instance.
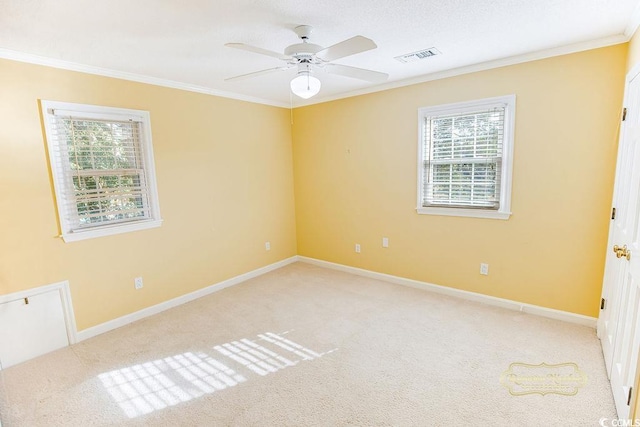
(622, 252)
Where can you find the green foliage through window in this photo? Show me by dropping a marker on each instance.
(462, 159)
(106, 169)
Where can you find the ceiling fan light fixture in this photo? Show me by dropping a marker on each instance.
(305, 85)
(308, 57)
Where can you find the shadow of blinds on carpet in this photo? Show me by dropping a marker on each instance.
(151, 386)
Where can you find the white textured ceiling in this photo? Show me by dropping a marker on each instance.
(183, 41)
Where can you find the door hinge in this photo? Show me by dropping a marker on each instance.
(624, 114)
(602, 303)
(629, 397)
(613, 213)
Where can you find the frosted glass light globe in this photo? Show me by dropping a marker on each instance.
(305, 86)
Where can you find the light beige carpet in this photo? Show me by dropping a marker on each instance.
(306, 346)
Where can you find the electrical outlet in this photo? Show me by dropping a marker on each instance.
(358, 248)
(138, 282)
(267, 246)
(484, 269)
(385, 242)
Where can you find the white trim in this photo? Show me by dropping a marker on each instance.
(497, 63)
(469, 213)
(158, 308)
(633, 73)
(110, 230)
(474, 68)
(63, 187)
(506, 175)
(77, 336)
(123, 75)
(470, 296)
(630, 75)
(65, 297)
(118, 114)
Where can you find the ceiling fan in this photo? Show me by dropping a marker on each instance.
(309, 57)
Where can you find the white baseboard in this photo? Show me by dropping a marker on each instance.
(150, 311)
(472, 296)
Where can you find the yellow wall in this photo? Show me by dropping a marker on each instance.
(225, 183)
(226, 178)
(355, 166)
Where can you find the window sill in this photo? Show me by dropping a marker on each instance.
(110, 230)
(470, 213)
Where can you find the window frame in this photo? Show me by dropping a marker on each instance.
(504, 210)
(63, 189)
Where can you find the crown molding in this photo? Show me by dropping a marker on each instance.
(634, 22)
(483, 66)
(105, 72)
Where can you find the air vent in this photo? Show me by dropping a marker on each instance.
(421, 54)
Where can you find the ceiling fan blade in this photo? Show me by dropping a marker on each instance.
(357, 73)
(259, 50)
(256, 74)
(347, 47)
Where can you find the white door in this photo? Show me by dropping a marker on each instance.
(618, 325)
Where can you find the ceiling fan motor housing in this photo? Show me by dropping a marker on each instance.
(303, 52)
(302, 49)
(308, 57)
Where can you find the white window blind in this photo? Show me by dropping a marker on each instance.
(103, 168)
(463, 158)
(463, 151)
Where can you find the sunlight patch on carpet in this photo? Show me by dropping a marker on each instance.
(144, 388)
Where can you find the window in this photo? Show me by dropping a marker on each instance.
(102, 164)
(465, 158)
